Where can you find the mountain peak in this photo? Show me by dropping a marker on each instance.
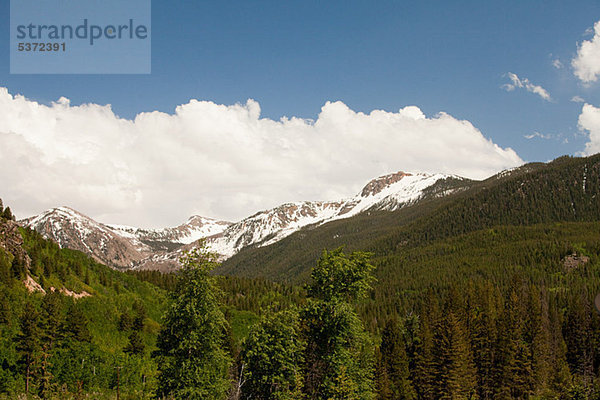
(378, 184)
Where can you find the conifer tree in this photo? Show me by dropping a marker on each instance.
(7, 214)
(75, 327)
(136, 344)
(515, 373)
(51, 317)
(28, 340)
(457, 370)
(382, 380)
(140, 315)
(395, 362)
(425, 365)
(484, 315)
(539, 327)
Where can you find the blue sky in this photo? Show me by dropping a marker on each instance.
(294, 56)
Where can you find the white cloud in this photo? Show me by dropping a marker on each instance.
(556, 63)
(216, 160)
(586, 64)
(536, 134)
(577, 99)
(517, 82)
(589, 121)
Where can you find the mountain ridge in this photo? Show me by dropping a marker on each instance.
(127, 247)
(564, 190)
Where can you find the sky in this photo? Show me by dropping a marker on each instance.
(254, 103)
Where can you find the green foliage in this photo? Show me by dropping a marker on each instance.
(193, 363)
(483, 303)
(339, 359)
(72, 346)
(273, 357)
(337, 348)
(338, 276)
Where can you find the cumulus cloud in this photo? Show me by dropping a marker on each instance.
(577, 99)
(586, 64)
(524, 83)
(589, 121)
(217, 160)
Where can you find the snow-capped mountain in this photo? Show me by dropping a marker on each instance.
(388, 193)
(196, 227)
(117, 245)
(129, 247)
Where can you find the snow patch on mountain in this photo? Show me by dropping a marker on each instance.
(389, 193)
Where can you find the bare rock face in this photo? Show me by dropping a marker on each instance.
(378, 184)
(73, 230)
(574, 261)
(11, 241)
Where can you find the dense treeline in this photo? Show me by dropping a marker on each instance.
(491, 314)
(476, 341)
(538, 254)
(239, 293)
(499, 335)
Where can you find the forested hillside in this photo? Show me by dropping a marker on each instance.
(566, 189)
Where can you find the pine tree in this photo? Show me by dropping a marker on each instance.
(28, 340)
(425, 366)
(7, 214)
(192, 361)
(484, 316)
(457, 370)
(125, 322)
(540, 337)
(382, 380)
(75, 326)
(51, 317)
(395, 361)
(515, 373)
(45, 375)
(140, 314)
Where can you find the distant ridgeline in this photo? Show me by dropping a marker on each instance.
(484, 293)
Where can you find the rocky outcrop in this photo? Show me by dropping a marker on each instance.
(11, 242)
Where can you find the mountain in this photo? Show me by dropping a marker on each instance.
(128, 247)
(388, 193)
(117, 245)
(564, 190)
